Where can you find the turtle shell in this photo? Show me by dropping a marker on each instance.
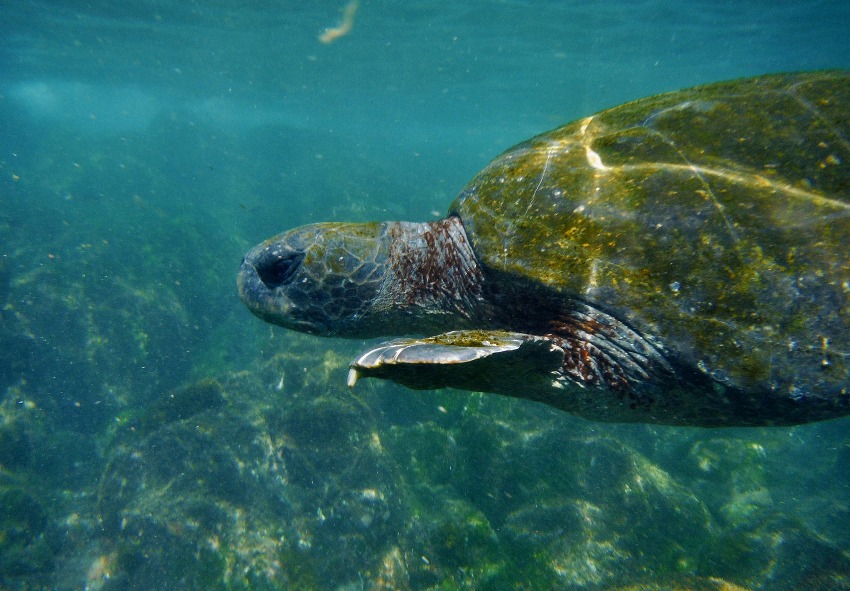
(715, 221)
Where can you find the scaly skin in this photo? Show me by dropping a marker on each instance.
(363, 280)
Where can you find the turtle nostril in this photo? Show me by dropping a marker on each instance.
(279, 270)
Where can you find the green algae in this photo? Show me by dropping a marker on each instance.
(664, 213)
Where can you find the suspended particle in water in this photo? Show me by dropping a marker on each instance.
(331, 34)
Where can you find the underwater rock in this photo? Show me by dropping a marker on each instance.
(252, 491)
(610, 508)
(181, 403)
(462, 538)
(27, 544)
(186, 501)
(5, 277)
(779, 554)
(730, 475)
(453, 547)
(87, 349)
(109, 286)
(427, 454)
(683, 584)
(350, 499)
(535, 504)
(15, 444)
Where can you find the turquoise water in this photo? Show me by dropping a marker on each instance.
(153, 434)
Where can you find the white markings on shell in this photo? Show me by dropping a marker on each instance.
(593, 157)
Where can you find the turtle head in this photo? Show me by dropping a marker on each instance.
(321, 279)
(364, 280)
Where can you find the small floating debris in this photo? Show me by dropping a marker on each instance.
(344, 28)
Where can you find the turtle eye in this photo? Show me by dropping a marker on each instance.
(280, 270)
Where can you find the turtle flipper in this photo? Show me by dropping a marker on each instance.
(484, 361)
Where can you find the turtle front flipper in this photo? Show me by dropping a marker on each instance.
(484, 361)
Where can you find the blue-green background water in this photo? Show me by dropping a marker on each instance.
(155, 435)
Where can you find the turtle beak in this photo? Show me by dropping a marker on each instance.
(256, 295)
(260, 275)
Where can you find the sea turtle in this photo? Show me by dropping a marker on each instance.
(681, 259)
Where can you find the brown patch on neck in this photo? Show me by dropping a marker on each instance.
(433, 272)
